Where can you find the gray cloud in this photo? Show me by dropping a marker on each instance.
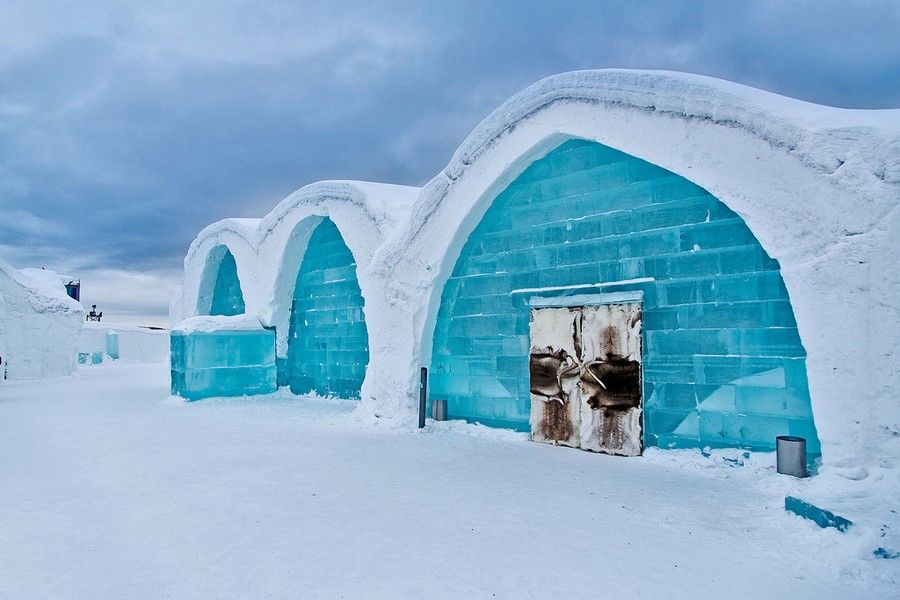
(125, 129)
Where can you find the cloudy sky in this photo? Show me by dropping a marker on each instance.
(125, 128)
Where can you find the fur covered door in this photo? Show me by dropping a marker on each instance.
(610, 384)
(554, 363)
(585, 369)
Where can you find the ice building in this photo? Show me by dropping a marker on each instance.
(611, 260)
(283, 300)
(39, 325)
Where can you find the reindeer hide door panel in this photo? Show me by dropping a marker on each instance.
(586, 386)
(554, 365)
(610, 384)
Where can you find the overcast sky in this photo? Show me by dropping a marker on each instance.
(126, 128)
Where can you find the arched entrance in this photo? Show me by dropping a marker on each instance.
(220, 287)
(723, 364)
(328, 344)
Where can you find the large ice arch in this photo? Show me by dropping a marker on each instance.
(363, 214)
(817, 186)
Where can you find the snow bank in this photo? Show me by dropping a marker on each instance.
(136, 344)
(39, 325)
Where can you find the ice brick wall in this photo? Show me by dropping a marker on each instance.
(222, 363)
(227, 298)
(723, 362)
(328, 345)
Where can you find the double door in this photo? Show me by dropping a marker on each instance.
(585, 365)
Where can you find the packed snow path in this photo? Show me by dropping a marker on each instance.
(111, 489)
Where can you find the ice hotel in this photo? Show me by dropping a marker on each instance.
(612, 260)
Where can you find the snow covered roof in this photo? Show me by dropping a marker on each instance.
(856, 149)
(826, 138)
(45, 293)
(266, 249)
(48, 276)
(383, 203)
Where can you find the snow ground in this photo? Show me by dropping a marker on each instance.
(109, 488)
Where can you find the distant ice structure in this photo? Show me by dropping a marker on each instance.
(39, 324)
(759, 232)
(100, 340)
(124, 342)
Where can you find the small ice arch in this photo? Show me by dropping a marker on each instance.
(220, 288)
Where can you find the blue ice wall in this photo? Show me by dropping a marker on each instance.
(328, 345)
(227, 298)
(723, 362)
(222, 363)
(112, 345)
